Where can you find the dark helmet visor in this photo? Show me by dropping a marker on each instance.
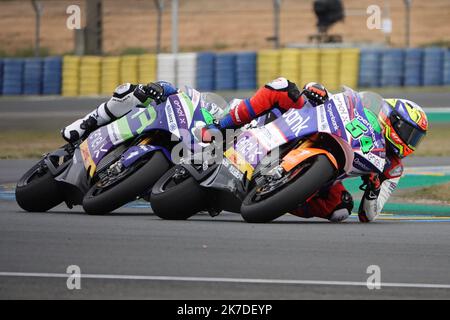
(410, 135)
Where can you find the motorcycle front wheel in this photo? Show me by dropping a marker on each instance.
(266, 204)
(133, 182)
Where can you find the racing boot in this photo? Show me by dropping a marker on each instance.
(81, 128)
(125, 97)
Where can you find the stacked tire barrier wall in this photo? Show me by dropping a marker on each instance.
(207, 71)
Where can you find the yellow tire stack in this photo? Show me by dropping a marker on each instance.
(129, 69)
(290, 64)
(329, 68)
(349, 69)
(90, 75)
(268, 66)
(309, 66)
(110, 78)
(70, 76)
(146, 68)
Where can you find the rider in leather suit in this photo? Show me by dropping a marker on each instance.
(404, 121)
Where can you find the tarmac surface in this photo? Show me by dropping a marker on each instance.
(133, 254)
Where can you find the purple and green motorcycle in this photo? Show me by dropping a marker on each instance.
(272, 169)
(118, 162)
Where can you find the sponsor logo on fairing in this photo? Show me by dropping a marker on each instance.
(180, 113)
(334, 120)
(232, 169)
(341, 107)
(295, 121)
(97, 143)
(332, 117)
(171, 121)
(113, 132)
(360, 165)
(376, 161)
(249, 147)
(322, 123)
(269, 136)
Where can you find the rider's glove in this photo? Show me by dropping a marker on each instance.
(207, 134)
(315, 92)
(368, 209)
(152, 91)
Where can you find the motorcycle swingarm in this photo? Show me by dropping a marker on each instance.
(60, 153)
(199, 176)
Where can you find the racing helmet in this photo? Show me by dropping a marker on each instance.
(405, 125)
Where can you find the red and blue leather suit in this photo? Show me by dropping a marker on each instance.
(334, 202)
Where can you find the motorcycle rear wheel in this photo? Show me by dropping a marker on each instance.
(177, 201)
(37, 190)
(289, 195)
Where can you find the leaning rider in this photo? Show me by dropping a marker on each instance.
(404, 125)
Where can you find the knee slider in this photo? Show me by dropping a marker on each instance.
(344, 209)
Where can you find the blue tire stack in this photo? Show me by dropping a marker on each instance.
(369, 68)
(433, 64)
(52, 71)
(12, 76)
(205, 71)
(392, 67)
(32, 76)
(225, 71)
(246, 70)
(1, 77)
(447, 68)
(413, 67)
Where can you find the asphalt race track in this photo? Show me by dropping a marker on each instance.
(134, 254)
(297, 253)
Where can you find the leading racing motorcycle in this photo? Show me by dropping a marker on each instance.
(313, 147)
(118, 162)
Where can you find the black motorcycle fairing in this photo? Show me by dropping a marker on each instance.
(75, 174)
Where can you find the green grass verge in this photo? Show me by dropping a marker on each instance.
(437, 141)
(438, 193)
(31, 144)
(28, 144)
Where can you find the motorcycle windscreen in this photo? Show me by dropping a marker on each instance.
(364, 132)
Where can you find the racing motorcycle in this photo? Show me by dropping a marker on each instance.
(313, 147)
(118, 162)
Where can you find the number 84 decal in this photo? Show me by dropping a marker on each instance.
(357, 130)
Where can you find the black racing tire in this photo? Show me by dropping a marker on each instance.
(291, 195)
(38, 193)
(136, 184)
(177, 201)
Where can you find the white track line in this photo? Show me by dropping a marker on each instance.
(223, 280)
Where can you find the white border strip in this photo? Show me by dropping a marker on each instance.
(223, 280)
(437, 110)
